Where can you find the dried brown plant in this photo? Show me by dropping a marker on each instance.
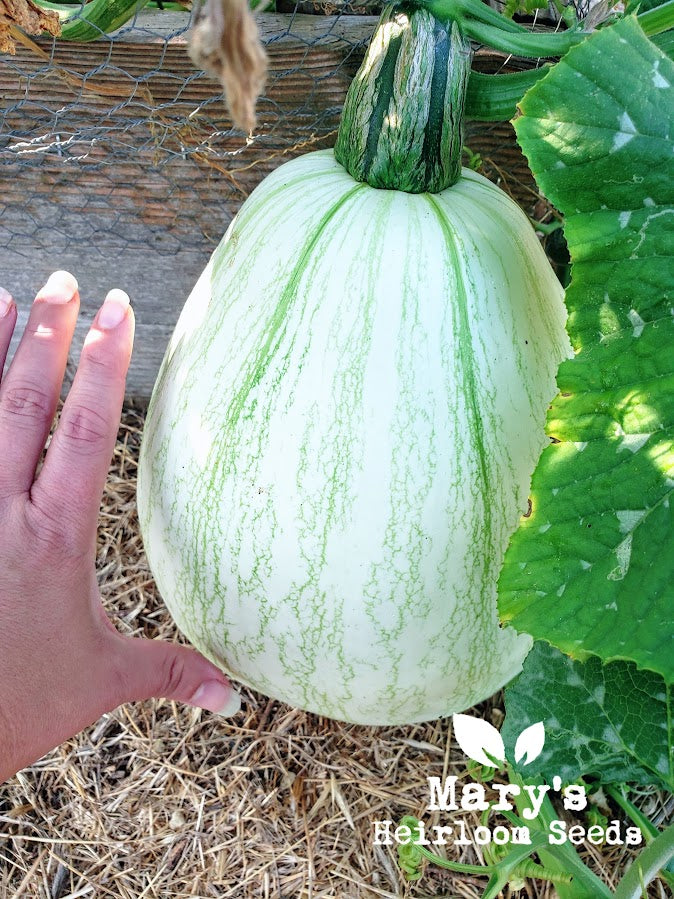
(28, 17)
(225, 43)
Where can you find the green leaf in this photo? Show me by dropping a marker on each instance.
(523, 7)
(591, 570)
(612, 721)
(641, 5)
(657, 19)
(665, 42)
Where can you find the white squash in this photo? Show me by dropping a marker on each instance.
(341, 441)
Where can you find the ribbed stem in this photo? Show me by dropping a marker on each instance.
(402, 122)
(532, 45)
(494, 98)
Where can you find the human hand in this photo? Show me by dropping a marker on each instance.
(62, 662)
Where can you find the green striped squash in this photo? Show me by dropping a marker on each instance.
(341, 440)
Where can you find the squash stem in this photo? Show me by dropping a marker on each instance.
(472, 9)
(487, 26)
(646, 865)
(645, 825)
(494, 98)
(530, 44)
(402, 121)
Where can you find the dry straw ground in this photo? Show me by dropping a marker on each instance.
(160, 800)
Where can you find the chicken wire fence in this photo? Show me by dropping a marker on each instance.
(120, 143)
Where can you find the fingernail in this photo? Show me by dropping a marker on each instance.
(61, 287)
(113, 310)
(5, 302)
(216, 697)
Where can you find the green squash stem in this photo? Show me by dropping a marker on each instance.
(401, 127)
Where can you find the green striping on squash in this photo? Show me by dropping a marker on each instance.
(341, 439)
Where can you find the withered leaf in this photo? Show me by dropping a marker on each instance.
(225, 43)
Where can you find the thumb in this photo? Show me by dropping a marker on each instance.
(155, 668)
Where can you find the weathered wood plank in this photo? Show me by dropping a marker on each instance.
(157, 294)
(153, 26)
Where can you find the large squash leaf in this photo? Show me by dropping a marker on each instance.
(591, 570)
(611, 721)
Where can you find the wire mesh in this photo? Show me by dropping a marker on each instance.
(120, 142)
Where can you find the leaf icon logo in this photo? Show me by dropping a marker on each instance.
(530, 743)
(477, 738)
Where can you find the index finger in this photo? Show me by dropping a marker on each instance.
(70, 484)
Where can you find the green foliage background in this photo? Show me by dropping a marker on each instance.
(591, 571)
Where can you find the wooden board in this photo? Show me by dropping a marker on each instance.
(119, 163)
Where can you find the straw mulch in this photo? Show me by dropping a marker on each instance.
(162, 800)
